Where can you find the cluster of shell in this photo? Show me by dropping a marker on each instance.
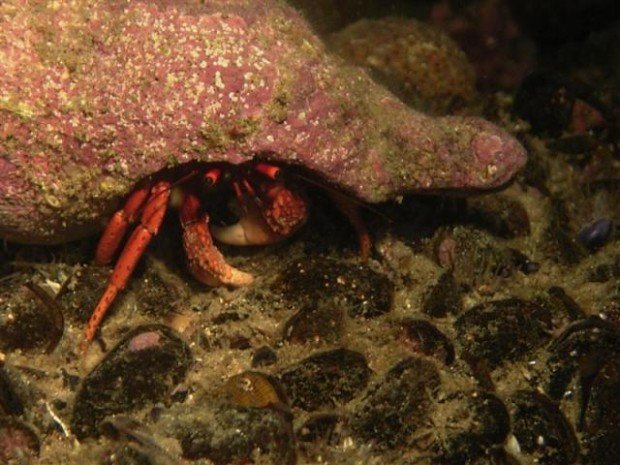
(485, 331)
(394, 372)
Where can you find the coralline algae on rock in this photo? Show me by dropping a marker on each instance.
(95, 96)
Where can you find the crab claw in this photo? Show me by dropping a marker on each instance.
(279, 214)
(205, 261)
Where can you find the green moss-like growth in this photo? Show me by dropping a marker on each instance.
(245, 128)
(278, 107)
(214, 136)
(19, 108)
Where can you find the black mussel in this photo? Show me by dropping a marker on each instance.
(30, 318)
(473, 256)
(443, 297)
(320, 436)
(322, 427)
(603, 448)
(559, 243)
(137, 445)
(424, 338)
(10, 401)
(86, 285)
(541, 429)
(319, 322)
(610, 310)
(325, 379)
(596, 234)
(560, 306)
(357, 289)
(583, 361)
(264, 356)
(396, 406)
(235, 434)
(470, 425)
(502, 330)
(579, 352)
(602, 410)
(143, 368)
(154, 295)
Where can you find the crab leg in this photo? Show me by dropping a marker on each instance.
(150, 221)
(351, 210)
(205, 262)
(271, 171)
(117, 226)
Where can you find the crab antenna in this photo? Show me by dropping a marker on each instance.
(182, 179)
(245, 183)
(350, 197)
(271, 171)
(239, 195)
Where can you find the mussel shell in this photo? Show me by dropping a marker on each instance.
(254, 389)
(143, 368)
(325, 379)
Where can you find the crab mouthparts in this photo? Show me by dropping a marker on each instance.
(251, 229)
(264, 224)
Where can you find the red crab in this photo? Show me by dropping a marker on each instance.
(270, 211)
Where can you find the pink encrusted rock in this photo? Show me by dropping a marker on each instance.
(95, 96)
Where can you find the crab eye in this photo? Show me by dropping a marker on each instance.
(212, 176)
(271, 171)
